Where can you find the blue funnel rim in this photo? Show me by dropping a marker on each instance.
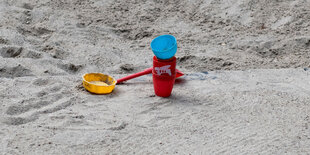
(165, 35)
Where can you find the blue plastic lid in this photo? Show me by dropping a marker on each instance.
(163, 43)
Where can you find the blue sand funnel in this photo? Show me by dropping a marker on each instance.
(164, 46)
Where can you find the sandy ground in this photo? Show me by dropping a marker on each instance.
(222, 112)
(246, 90)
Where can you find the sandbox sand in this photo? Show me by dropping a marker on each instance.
(246, 90)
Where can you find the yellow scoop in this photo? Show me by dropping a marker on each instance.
(98, 83)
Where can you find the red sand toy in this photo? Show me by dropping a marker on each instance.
(146, 71)
(164, 70)
(164, 74)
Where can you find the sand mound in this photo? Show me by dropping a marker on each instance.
(105, 35)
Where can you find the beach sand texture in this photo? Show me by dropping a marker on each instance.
(246, 88)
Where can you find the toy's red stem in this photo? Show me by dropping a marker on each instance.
(146, 71)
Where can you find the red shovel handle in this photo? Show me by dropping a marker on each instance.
(146, 71)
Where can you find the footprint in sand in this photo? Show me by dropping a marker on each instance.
(70, 68)
(19, 120)
(10, 52)
(4, 41)
(40, 82)
(27, 6)
(30, 109)
(18, 52)
(35, 31)
(55, 52)
(17, 71)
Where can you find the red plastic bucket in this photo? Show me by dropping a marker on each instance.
(163, 76)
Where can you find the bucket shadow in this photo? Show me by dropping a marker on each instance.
(180, 81)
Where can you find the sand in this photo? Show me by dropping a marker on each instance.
(246, 88)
